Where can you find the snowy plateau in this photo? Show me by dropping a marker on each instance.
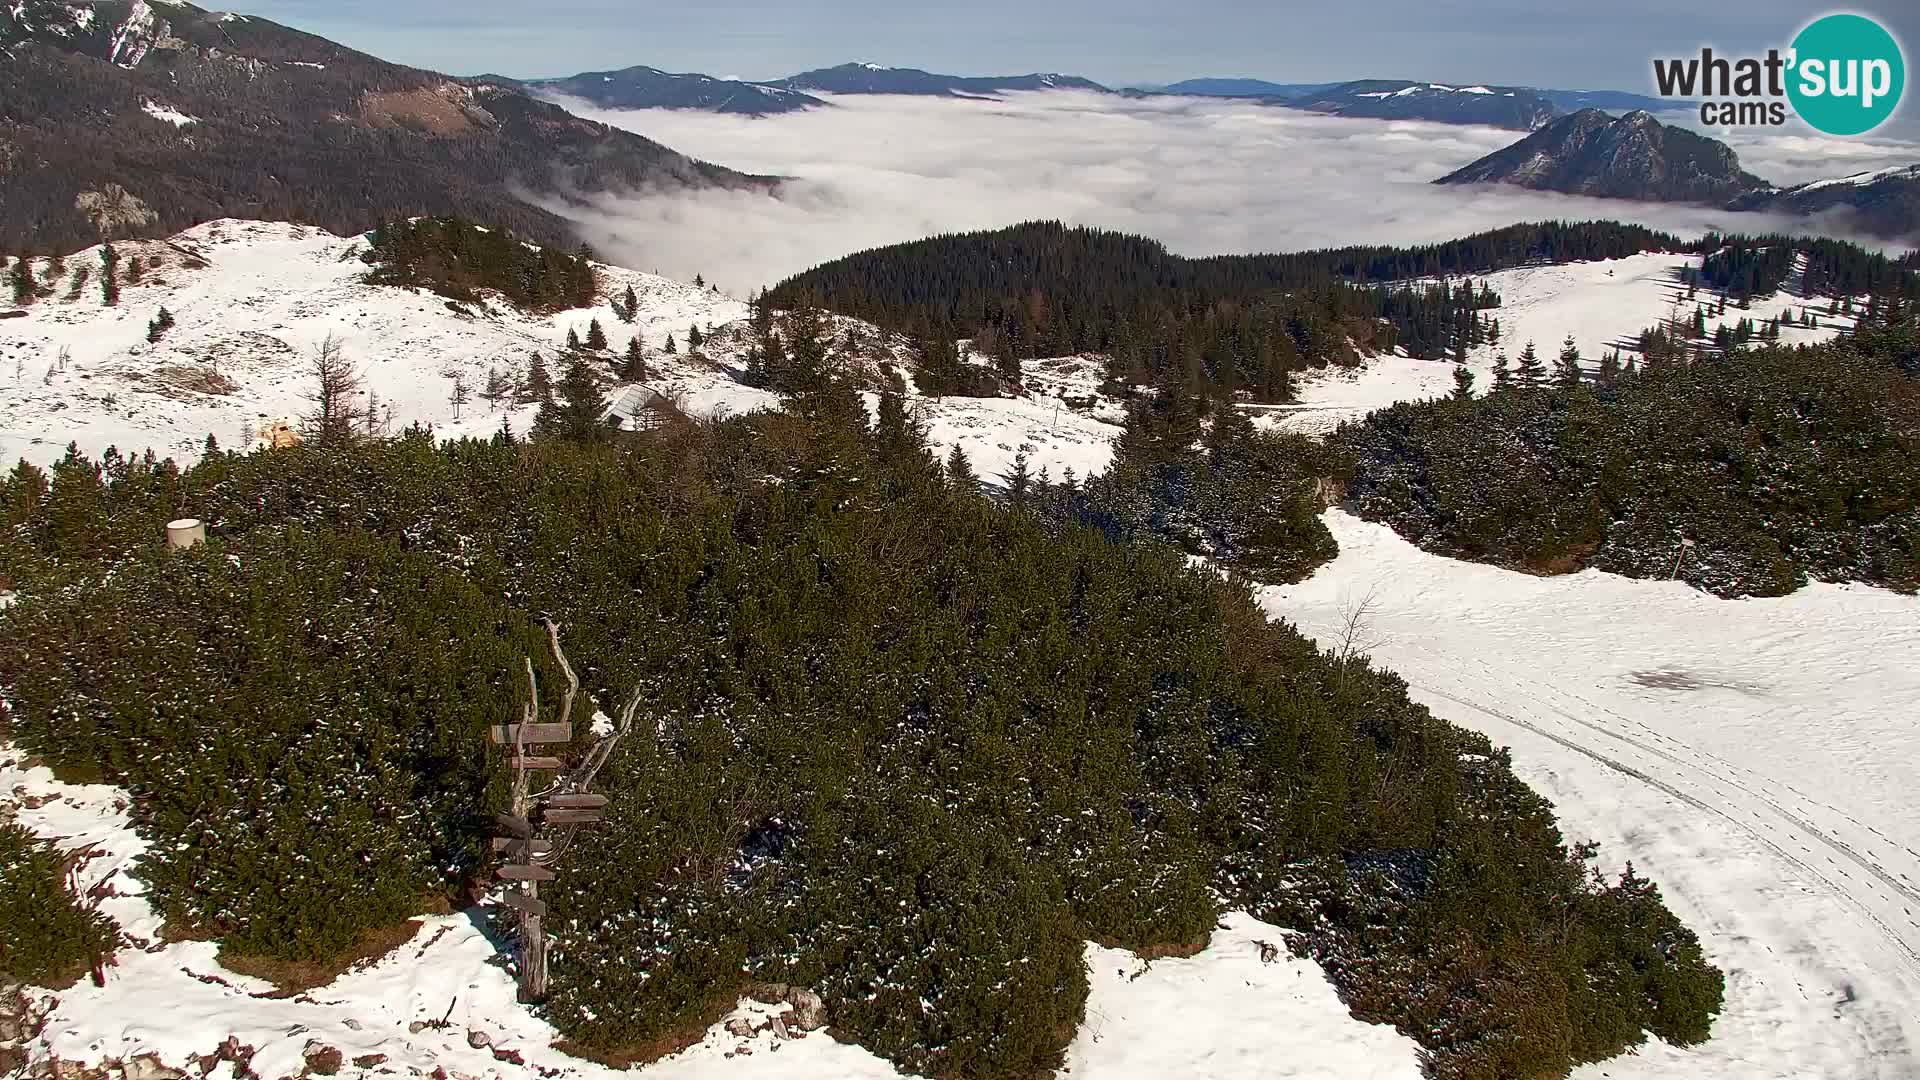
(1754, 757)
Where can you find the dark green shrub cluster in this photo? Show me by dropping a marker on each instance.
(1517, 950)
(301, 711)
(1246, 499)
(46, 937)
(897, 742)
(1778, 465)
(458, 259)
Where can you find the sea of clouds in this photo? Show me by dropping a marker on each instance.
(1203, 176)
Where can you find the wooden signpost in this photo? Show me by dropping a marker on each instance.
(564, 803)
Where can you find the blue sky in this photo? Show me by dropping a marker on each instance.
(1529, 42)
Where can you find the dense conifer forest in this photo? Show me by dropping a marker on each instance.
(1225, 324)
(1743, 472)
(904, 744)
(1240, 326)
(1746, 267)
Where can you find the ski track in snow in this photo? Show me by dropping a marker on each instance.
(1753, 757)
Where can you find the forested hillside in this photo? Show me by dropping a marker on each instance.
(1745, 267)
(902, 744)
(1220, 326)
(1742, 472)
(191, 115)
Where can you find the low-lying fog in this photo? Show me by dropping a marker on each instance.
(1204, 176)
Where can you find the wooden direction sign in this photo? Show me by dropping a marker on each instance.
(509, 734)
(520, 901)
(515, 845)
(551, 764)
(518, 826)
(523, 872)
(573, 817)
(576, 802)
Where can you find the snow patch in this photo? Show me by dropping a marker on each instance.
(171, 116)
(1224, 1014)
(1862, 179)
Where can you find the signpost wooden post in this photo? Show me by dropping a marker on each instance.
(525, 853)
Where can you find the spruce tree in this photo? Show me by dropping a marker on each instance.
(670, 348)
(1502, 376)
(159, 325)
(109, 276)
(23, 284)
(1462, 383)
(498, 388)
(596, 337)
(578, 405)
(1020, 480)
(630, 306)
(694, 338)
(1568, 367)
(1530, 373)
(573, 340)
(1007, 361)
(538, 387)
(633, 367)
(938, 360)
(960, 472)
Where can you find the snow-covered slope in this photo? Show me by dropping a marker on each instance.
(246, 325)
(1241, 1016)
(251, 301)
(1754, 757)
(1602, 305)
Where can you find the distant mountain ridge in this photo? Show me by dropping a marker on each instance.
(1637, 157)
(650, 88)
(1518, 108)
(1513, 107)
(1884, 203)
(860, 78)
(1244, 88)
(1632, 157)
(199, 115)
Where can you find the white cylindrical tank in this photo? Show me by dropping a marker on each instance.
(186, 532)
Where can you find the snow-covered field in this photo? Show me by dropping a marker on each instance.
(247, 323)
(1756, 758)
(1602, 305)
